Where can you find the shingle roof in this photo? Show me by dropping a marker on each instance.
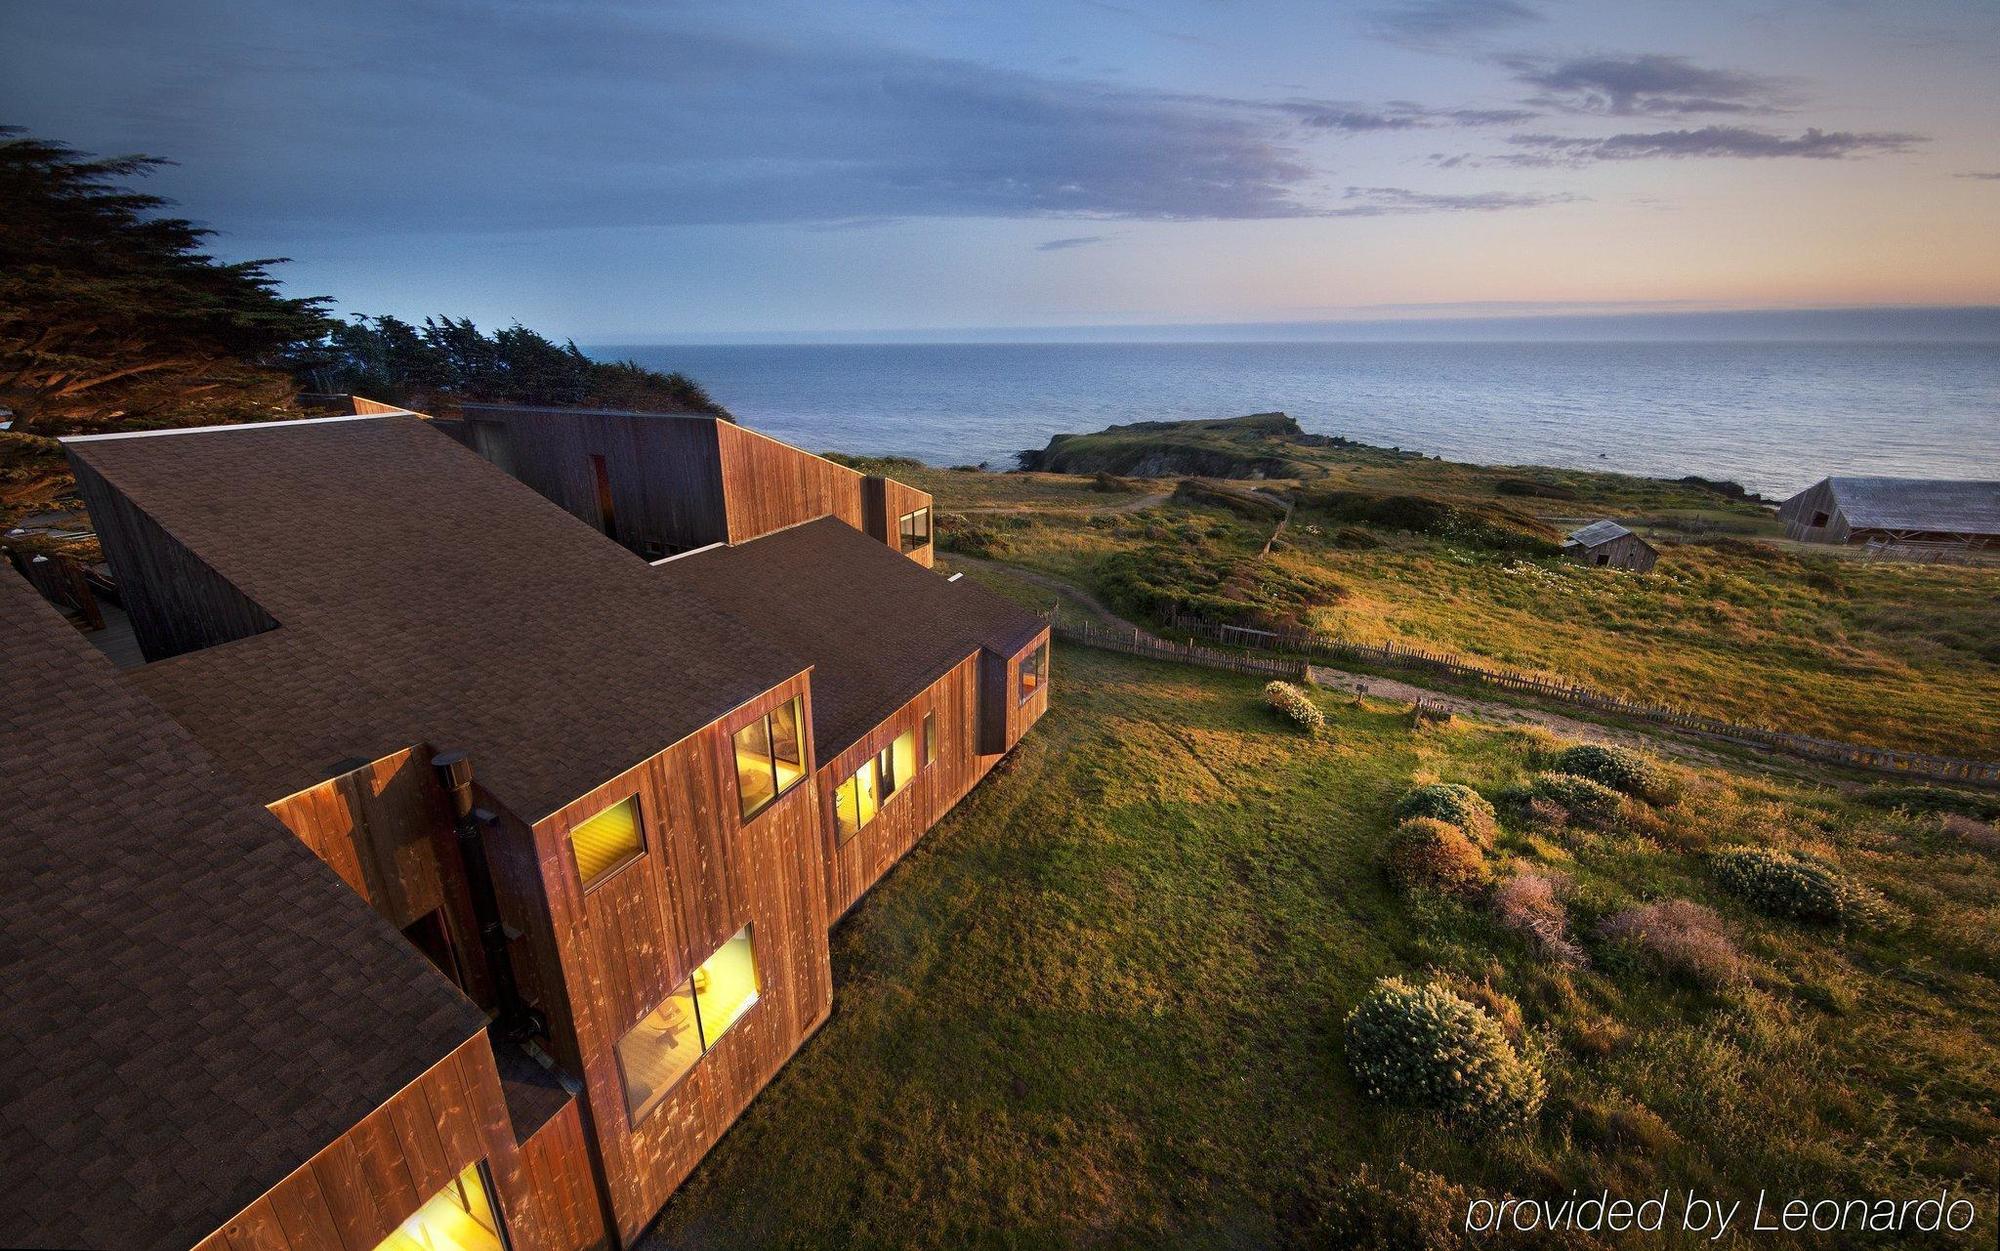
(1597, 532)
(877, 627)
(194, 1004)
(1919, 504)
(422, 595)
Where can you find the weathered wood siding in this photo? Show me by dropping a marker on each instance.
(353, 1194)
(770, 485)
(386, 830)
(626, 942)
(885, 500)
(1798, 512)
(854, 866)
(177, 603)
(1628, 551)
(1003, 716)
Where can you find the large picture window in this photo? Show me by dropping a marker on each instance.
(770, 757)
(1034, 672)
(658, 1051)
(860, 796)
(608, 841)
(458, 1218)
(914, 529)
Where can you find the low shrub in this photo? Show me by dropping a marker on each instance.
(1619, 768)
(1294, 705)
(1683, 938)
(1529, 903)
(1799, 888)
(1975, 834)
(1448, 801)
(1349, 539)
(1403, 1209)
(1425, 1047)
(1585, 802)
(1922, 800)
(1428, 852)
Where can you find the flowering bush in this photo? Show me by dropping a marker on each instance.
(1425, 1047)
(1292, 704)
(1428, 852)
(1448, 801)
(1528, 904)
(1802, 888)
(1588, 803)
(1619, 768)
(1683, 938)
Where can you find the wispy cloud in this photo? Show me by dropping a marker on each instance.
(1394, 201)
(1073, 241)
(1647, 84)
(1739, 142)
(1351, 118)
(1438, 25)
(1982, 175)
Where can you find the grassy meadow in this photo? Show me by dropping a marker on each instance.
(1733, 621)
(1102, 1002)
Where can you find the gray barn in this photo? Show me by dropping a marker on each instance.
(1895, 510)
(1611, 545)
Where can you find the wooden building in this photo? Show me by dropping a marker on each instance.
(610, 807)
(1606, 544)
(665, 483)
(1902, 511)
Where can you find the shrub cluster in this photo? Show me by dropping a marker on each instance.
(1619, 768)
(1450, 802)
(1292, 704)
(1528, 904)
(1428, 852)
(1588, 803)
(1800, 888)
(1684, 939)
(1426, 1047)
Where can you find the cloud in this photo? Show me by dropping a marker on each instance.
(1350, 118)
(1646, 84)
(1439, 25)
(1073, 241)
(1709, 141)
(1396, 201)
(1981, 175)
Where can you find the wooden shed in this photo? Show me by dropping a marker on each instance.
(1607, 544)
(1917, 511)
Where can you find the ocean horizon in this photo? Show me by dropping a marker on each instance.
(1774, 416)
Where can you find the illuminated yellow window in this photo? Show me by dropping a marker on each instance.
(655, 1053)
(846, 818)
(607, 841)
(1034, 672)
(770, 757)
(867, 793)
(899, 762)
(458, 1218)
(725, 986)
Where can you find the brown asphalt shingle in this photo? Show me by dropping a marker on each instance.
(422, 595)
(194, 1005)
(876, 626)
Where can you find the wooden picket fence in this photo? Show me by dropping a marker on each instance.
(1283, 646)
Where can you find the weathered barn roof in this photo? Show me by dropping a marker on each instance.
(422, 596)
(194, 1005)
(1597, 532)
(877, 627)
(1922, 504)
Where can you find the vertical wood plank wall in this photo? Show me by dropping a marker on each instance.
(177, 603)
(354, 1193)
(770, 485)
(666, 472)
(888, 501)
(386, 830)
(1003, 716)
(624, 943)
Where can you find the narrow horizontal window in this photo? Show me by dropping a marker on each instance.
(607, 841)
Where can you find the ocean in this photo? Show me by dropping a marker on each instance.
(1773, 416)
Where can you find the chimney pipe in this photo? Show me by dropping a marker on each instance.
(517, 1021)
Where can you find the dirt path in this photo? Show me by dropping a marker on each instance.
(1363, 683)
(1135, 504)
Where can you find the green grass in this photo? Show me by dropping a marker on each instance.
(1102, 1001)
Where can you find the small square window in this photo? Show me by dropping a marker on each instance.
(608, 841)
(1820, 519)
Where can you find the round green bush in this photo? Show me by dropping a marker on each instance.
(1587, 802)
(1448, 801)
(1425, 1047)
(1428, 852)
(1800, 888)
(1619, 768)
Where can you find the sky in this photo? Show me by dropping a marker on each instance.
(638, 172)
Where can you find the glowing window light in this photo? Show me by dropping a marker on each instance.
(611, 839)
(662, 1048)
(770, 757)
(458, 1218)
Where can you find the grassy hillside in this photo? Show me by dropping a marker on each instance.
(1734, 621)
(1103, 1001)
